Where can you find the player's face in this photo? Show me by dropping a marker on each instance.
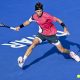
(39, 12)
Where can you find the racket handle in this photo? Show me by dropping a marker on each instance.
(12, 28)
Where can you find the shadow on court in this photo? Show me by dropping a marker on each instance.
(53, 50)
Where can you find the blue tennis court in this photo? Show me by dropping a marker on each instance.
(45, 62)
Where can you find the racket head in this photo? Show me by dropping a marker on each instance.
(4, 25)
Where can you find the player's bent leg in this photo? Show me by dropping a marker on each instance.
(21, 60)
(34, 43)
(63, 50)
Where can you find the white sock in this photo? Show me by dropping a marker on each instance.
(25, 57)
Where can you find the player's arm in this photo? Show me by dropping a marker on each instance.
(55, 19)
(26, 23)
(62, 24)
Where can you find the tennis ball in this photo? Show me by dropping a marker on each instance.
(78, 75)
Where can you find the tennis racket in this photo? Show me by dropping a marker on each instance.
(6, 26)
(61, 33)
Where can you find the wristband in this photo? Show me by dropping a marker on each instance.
(63, 25)
(21, 26)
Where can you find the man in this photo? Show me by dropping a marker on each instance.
(47, 31)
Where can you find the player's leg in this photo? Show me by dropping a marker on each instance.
(54, 40)
(21, 60)
(34, 43)
(38, 39)
(66, 51)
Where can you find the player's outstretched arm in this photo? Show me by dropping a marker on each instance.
(26, 23)
(62, 24)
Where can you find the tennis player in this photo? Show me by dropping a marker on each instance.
(47, 31)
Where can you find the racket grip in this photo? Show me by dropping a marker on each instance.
(12, 28)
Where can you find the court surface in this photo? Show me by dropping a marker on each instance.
(45, 62)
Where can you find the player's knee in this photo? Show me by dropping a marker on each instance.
(35, 42)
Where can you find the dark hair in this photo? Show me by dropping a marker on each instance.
(38, 6)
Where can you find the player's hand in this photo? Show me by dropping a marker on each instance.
(17, 28)
(66, 31)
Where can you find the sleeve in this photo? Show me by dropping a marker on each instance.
(53, 18)
(31, 19)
